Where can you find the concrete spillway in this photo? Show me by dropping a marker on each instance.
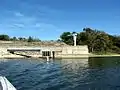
(54, 52)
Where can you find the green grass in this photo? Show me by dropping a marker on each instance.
(104, 53)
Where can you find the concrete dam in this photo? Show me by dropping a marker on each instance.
(52, 52)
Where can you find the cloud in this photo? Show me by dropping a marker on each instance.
(19, 25)
(27, 23)
(18, 14)
(37, 25)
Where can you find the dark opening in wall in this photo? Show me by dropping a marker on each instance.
(46, 53)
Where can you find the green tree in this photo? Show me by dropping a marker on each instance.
(102, 43)
(4, 37)
(90, 36)
(20, 38)
(67, 38)
(14, 39)
(81, 38)
(97, 41)
(30, 39)
(36, 40)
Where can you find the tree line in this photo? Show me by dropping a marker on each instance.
(4, 37)
(97, 41)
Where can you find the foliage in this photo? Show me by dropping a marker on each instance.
(4, 37)
(7, 38)
(30, 39)
(20, 38)
(14, 39)
(97, 41)
(67, 38)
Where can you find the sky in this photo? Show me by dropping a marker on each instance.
(48, 19)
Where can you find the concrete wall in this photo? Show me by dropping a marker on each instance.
(60, 52)
(68, 51)
(75, 50)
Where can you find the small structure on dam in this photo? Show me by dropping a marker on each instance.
(53, 52)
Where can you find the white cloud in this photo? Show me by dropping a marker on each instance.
(25, 22)
(19, 14)
(19, 25)
(37, 25)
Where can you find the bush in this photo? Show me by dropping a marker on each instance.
(4, 37)
(116, 49)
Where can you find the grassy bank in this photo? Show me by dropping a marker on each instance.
(103, 54)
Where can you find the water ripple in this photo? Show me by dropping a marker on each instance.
(70, 74)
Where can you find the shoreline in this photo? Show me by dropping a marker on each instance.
(104, 55)
(12, 56)
(4, 54)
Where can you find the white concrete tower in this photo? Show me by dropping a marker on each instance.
(74, 38)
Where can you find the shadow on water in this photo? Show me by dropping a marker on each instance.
(103, 62)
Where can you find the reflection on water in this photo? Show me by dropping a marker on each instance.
(104, 62)
(66, 74)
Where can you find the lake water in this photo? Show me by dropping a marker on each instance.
(66, 74)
